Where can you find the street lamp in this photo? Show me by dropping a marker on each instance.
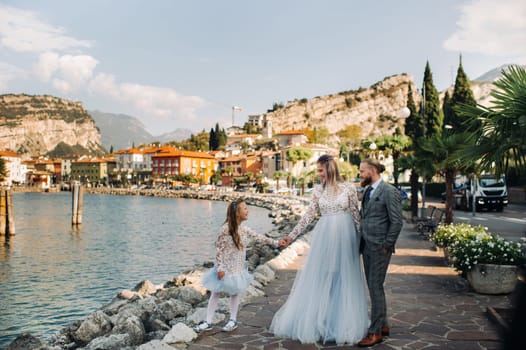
(373, 148)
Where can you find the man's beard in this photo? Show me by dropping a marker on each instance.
(365, 182)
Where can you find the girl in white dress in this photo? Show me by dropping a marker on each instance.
(328, 299)
(230, 274)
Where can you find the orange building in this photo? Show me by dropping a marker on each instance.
(176, 162)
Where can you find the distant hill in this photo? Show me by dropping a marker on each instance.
(493, 74)
(123, 131)
(119, 130)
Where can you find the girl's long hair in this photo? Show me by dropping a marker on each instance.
(232, 218)
(331, 169)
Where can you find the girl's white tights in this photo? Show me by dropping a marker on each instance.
(212, 306)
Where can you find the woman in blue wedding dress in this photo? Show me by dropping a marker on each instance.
(328, 300)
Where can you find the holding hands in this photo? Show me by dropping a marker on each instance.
(285, 241)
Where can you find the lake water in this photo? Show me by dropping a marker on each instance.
(52, 274)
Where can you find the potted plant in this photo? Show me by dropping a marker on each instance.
(488, 262)
(447, 237)
(406, 210)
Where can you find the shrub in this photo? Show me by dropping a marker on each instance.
(449, 235)
(485, 249)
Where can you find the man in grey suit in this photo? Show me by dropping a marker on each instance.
(381, 224)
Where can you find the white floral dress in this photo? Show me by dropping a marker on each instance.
(232, 261)
(328, 299)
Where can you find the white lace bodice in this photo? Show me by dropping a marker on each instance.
(329, 201)
(230, 259)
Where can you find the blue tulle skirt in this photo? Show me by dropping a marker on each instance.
(328, 299)
(231, 283)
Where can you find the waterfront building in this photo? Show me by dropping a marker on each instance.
(172, 162)
(92, 171)
(291, 138)
(15, 169)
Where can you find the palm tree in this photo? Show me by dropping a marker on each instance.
(499, 131)
(394, 145)
(443, 149)
(278, 174)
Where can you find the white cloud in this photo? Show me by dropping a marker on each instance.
(491, 28)
(67, 72)
(9, 72)
(159, 104)
(23, 31)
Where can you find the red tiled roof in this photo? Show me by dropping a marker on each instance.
(291, 132)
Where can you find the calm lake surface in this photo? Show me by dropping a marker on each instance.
(52, 274)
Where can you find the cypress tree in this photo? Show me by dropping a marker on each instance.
(448, 110)
(414, 124)
(462, 94)
(432, 111)
(212, 141)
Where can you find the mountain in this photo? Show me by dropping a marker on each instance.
(176, 135)
(494, 74)
(120, 131)
(123, 131)
(375, 110)
(41, 124)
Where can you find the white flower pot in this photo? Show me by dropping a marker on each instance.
(493, 279)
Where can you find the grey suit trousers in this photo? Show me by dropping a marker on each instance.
(375, 264)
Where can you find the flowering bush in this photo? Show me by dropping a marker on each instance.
(448, 235)
(470, 245)
(484, 248)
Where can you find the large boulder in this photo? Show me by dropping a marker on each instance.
(25, 341)
(180, 333)
(131, 325)
(95, 325)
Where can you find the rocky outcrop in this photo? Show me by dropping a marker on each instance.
(35, 125)
(375, 109)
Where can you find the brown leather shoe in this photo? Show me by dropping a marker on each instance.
(385, 331)
(370, 340)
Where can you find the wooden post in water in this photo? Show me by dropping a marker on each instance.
(3, 213)
(7, 218)
(76, 216)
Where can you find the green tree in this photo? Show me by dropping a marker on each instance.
(414, 124)
(462, 94)
(394, 145)
(3, 169)
(431, 109)
(414, 129)
(320, 135)
(447, 109)
(442, 149)
(296, 154)
(213, 143)
(499, 131)
(278, 174)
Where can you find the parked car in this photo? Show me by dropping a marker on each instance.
(406, 192)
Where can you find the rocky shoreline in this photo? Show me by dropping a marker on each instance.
(160, 317)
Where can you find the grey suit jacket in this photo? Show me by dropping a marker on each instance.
(382, 217)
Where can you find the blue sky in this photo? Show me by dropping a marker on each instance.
(184, 64)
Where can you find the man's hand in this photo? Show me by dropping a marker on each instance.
(285, 241)
(220, 274)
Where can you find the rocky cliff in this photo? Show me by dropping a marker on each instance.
(376, 110)
(35, 125)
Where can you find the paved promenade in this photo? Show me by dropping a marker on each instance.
(429, 307)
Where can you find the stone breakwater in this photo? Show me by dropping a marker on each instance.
(161, 317)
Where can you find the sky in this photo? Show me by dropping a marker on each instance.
(185, 64)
